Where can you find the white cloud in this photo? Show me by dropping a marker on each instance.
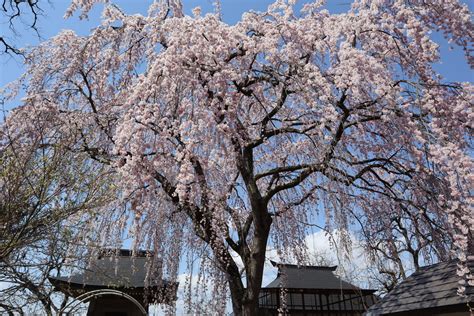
(323, 249)
(327, 249)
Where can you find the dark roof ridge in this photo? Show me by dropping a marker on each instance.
(123, 252)
(431, 286)
(299, 266)
(440, 265)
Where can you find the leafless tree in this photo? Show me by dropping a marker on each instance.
(26, 273)
(42, 197)
(18, 14)
(402, 243)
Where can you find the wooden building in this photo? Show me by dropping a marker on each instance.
(313, 291)
(115, 284)
(432, 290)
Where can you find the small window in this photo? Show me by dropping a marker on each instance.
(334, 302)
(273, 299)
(357, 302)
(309, 301)
(324, 301)
(347, 302)
(296, 300)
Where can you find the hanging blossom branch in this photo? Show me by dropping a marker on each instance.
(228, 137)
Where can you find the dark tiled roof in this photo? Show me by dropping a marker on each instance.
(309, 277)
(117, 271)
(432, 286)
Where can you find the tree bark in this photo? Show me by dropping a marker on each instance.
(253, 256)
(245, 300)
(254, 268)
(250, 309)
(237, 293)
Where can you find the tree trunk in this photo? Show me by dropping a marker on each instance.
(250, 309)
(254, 263)
(245, 300)
(237, 293)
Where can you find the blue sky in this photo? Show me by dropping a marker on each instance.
(453, 66)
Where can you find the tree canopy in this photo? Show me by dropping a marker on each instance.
(229, 138)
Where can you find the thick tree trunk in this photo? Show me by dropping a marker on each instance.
(250, 309)
(237, 293)
(245, 302)
(253, 256)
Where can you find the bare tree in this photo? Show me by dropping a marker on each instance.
(401, 243)
(26, 273)
(42, 196)
(18, 14)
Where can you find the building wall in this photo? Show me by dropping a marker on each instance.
(109, 305)
(308, 303)
(269, 312)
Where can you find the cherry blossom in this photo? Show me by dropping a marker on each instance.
(227, 138)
